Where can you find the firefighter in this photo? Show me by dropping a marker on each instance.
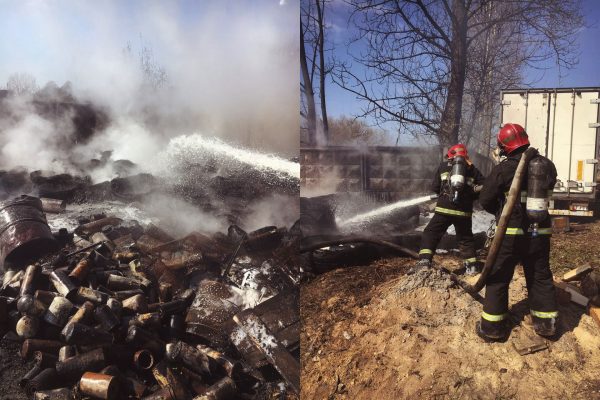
(457, 182)
(526, 242)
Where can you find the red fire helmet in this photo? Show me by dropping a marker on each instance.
(511, 137)
(457, 150)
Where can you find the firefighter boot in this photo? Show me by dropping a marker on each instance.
(492, 331)
(472, 267)
(544, 326)
(424, 262)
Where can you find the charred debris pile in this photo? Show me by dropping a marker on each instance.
(119, 310)
(206, 185)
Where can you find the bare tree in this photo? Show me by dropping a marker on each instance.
(307, 91)
(320, 5)
(22, 84)
(154, 76)
(495, 62)
(419, 54)
(351, 131)
(313, 62)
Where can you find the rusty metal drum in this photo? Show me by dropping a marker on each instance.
(24, 231)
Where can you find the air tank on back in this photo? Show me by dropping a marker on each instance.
(457, 176)
(537, 192)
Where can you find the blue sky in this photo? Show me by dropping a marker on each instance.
(586, 73)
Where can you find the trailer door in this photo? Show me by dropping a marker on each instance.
(572, 139)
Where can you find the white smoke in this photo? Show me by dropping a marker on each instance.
(230, 68)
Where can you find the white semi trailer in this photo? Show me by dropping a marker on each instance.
(564, 125)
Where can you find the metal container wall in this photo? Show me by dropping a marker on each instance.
(24, 231)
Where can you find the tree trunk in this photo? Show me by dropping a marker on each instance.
(450, 123)
(322, 75)
(311, 116)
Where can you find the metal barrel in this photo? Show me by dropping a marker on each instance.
(223, 389)
(63, 284)
(53, 206)
(67, 352)
(27, 327)
(58, 312)
(41, 362)
(99, 386)
(46, 379)
(74, 367)
(83, 335)
(189, 356)
(32, 345)
(135, 304)
(24, 231)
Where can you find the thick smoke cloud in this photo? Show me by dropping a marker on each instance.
(163, 73)
(231, 68)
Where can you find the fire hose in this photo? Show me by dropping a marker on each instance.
(514, 194)
(359, 239)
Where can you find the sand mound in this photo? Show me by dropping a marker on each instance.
(378, 332)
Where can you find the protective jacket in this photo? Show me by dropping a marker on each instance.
(441, 186)
(495, 191)
(448, 213)
(518, 246)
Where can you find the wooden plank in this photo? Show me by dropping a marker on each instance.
(287, 366)
(577, 273)
(595, 314)
(531, 348)
(576, 297)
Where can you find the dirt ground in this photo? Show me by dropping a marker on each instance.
(12, 369)
(376, 332)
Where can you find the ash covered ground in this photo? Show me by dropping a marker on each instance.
(387, 330)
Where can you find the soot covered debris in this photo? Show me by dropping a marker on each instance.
(119, 308)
